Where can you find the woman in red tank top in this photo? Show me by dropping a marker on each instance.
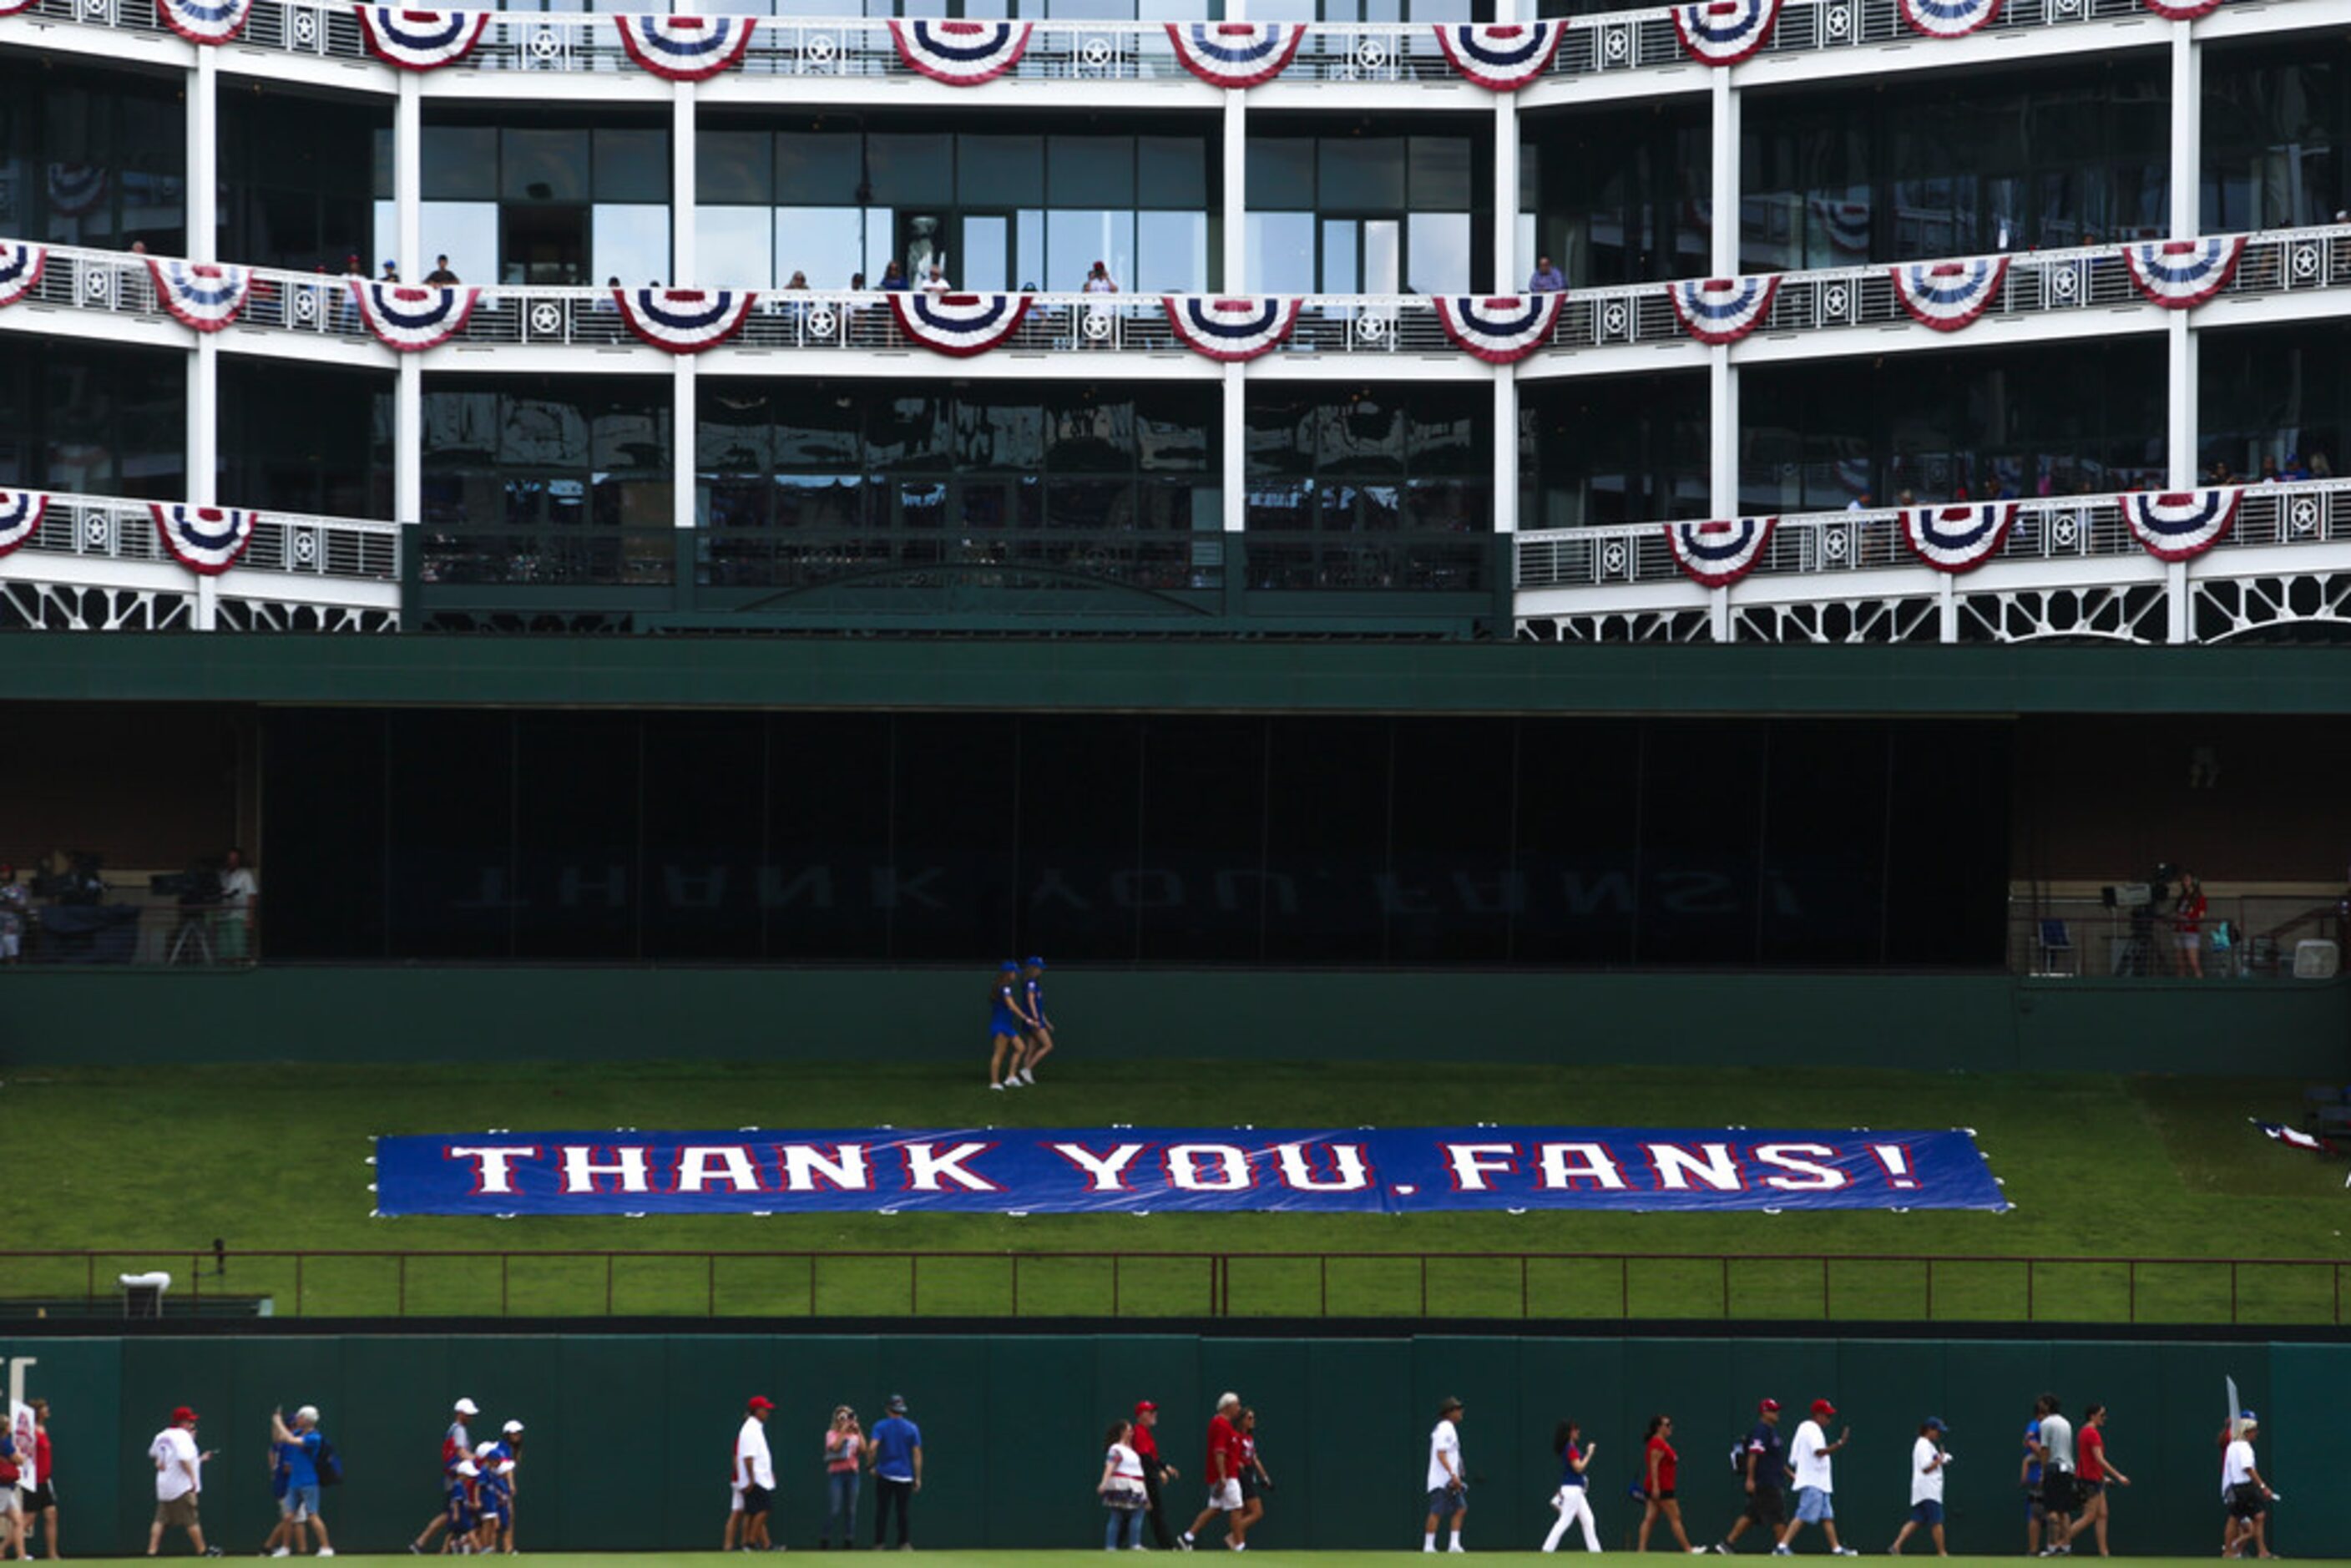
(1658, 1465)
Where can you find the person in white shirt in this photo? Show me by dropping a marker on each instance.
(233, 928)
(1808, 1457)
(755, 1472)
(1926, 1462)
(935, 281)
(2058, 1494)
(1448, 1483)
(2248, 1496)
(1121, 1490)
(179, 1483)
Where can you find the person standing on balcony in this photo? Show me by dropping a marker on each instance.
(233, 934)
(934, 280)
(440, 277)
(755, 1471)
(1099, 280)
(1547, 279)
(2188, 914)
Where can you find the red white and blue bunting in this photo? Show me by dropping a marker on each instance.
(21, 266)
(1844, 224)
(1957, 538)
(201, 295)
(2172, 11)
(1949, 19)
(1236, 54)
(76, 188)
(2181, 274)
(684, 321)
(2182, 526)
(420, 40)
(961, 54)
(1233, 329)
(1716, 554)
(409, 317)
(206, 540)
(685, 48)
(1948, 295)
(1722, 309)
(20, 516)
(1501, 329)
(1502, 57)
(10, 7)
(959, 325)
(1725, 32)
(205, 21)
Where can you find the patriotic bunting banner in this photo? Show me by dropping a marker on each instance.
(20, 516)
(1154, 1170)
(1957, 538)
(21, 266)
(960, 325)
(1503, 329)
(1948, 295)
(10, 7)
(1722, 309)
(1717, 554)
(1949, 19)
(204, 296)
(2297, 1138)
(76, 188)
(2181, 525)
(685, 48)
(409, 317)
(1502, 57)
(1231, 329)
(1725, 32)
(1236, 54)
(1846, 223)
(206, 540)
(2181, 274)
(420, 40)
(205, 21)
(2171, 12)
(684, 321)
(961, 54)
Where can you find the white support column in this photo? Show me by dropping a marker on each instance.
(1233, 450)
(201, 447)
(1235, 264)
(1723, 377)
(1723, 251)
(2181, 436)
(684, 266)
(2187, 131)
(408, 441)
(682, 437)
(1506, 449)
(1723, 432)
(203, 158)
(407, 178)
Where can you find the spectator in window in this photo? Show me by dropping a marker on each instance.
(2320, 468)
(935, 281)
(234, 924)
(2269, 470)
(755, 1471)
(16, 914)
(895, 1457)
(1121, 1490)
(893, 278)
(179, 1483)
(799, 280)
(296, 1448)
(1156, 1471)
(844, 1457)
(440, 277)
(1099, 280)
(2295, 470)
(2187, 926)
(390, 272)
(1547, 279)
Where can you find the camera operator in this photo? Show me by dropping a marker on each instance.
(233, 921)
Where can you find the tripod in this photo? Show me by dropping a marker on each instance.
(192, 943)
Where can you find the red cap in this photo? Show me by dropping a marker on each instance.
(183, 1416)
(1142, 1404)
(1768, 1405)
(1822, 1408)
(760, 1402)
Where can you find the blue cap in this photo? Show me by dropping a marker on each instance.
(1935, 1424)
(1007, 968)
(1035, 963)
(2249, 1416)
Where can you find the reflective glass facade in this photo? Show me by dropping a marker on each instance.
(92, 157)
(92, 419)
(1350, 207)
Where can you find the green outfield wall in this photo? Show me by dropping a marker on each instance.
(628, 1436)
(1989, 1023)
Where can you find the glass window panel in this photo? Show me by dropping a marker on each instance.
(1075, 241)
(465, 232)
(1360, 173)
(1440, 253)
(816, 431)
(731, 246)
(1001, 171)
(380, 151)
(1173, 172)
(1440, 174)
(1171, 428)
(731, 166)
(881, 227)
(818, 168)
(826, 243)
(910, 169)
(987, 253)
(1280, 173)
(1171, 252)
(1280, 254)
(999, 432)
(543, 165)
(1090, 171)
(537, 430)
(1341, 271)
(1383, 257)
(907, 432)
(1028, 247)
(459, 163)
(630, 241)
(631, 165)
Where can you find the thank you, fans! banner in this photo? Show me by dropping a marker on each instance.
(1143, 1170)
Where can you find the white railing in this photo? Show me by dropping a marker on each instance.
(2038, 283)
(533, 41)
(110, 527)
(2047, 528)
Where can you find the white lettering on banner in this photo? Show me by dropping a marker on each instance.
(1714, 1166)
(1104, 1172)
(1808, 1176)
(1183, 1168)
(926, 1169)
(1592, 1162)
(806, 1169)
(1472, 1162)
(1298, 1170)
(701, 1164)
(494, 1164)
(582, 1171)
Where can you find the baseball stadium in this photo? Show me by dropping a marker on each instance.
(1582, 790)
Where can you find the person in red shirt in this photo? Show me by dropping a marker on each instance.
(1156, 1471)
(1658, 1468)
(2187, 926)
(41, 1502)
(1223, 1476)
(2091, 1475)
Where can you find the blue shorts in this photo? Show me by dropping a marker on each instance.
(299, 1503)
(1928, 1512)
(1444, 1501)
(460, 1511)
(1813, 1506)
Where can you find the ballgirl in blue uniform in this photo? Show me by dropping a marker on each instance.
(1039, 1037)
(1008, 1022)
(1573, 1499)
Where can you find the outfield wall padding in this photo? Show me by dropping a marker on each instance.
(1983, 1023)
(629, 1435)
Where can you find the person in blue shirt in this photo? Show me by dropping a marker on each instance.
(1008, 1025)
(895, 1457)
(1573, 1499)
(295, 1452)
(2029, 1477)
(1763, 1471)
(1039, 1040)
(494, 1490)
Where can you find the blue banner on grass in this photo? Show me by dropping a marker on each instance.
(1190, 1170)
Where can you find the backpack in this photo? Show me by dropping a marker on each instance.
(328, 1463)
(1738, 1458)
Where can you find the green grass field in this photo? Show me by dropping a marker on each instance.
(1008, 1558)
(272, 1157)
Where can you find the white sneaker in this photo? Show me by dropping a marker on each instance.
(998, 1087)
(1782, 1551)
(1844, 1552)
(1012, 1083)
(1027, 1076)
(326, 1551)
(283, 1552)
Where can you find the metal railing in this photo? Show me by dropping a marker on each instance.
(2081, 935)
(1063, 50)
(2046, 529)
(111, 527)
(1526, 1286)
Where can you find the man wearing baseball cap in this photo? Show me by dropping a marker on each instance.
(1808, 1457)
(2248, 1496)
(457, 1448)
(1448, 1483)
(179, 1483)
(1928, 1459)
(755, 1471)
(895, 1458)
(1762, 1462)
(1156, 1471)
